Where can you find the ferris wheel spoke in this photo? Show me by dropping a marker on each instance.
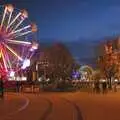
(19, 30)
(9, 19)
(19, 42)
(4, 61)
(3, 52)
(9, 10)
(1, 66)
(17, 16)
(8, 60)
(31, 55)
(17, 25)
(23, 51)
(3, 18)
(13, 52)
(22, 34)
(15, 60)
(23, 16)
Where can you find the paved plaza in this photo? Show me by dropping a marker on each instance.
(60, 106)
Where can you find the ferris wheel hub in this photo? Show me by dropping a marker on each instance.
(3, 36)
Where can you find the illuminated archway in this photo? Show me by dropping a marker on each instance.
(86, 69)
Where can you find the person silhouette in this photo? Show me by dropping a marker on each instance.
(1, 88)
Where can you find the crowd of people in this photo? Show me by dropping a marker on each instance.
(98, 87)
(91, 86)
(95, 86)
(103, 87)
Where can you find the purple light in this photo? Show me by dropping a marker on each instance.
(75, 74)
(26, 63)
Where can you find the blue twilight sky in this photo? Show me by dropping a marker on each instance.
(70, 20)
(81, 24)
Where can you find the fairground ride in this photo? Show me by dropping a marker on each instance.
(17, 40)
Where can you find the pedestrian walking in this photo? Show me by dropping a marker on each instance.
(93, 87)
(115, 87)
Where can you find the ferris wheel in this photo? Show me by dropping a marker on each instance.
(17, 39)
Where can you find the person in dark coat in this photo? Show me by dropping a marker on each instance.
(17, 86)
(1, 88)
(97, 87)
(104, 85)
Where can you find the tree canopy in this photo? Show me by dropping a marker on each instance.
(59, 60)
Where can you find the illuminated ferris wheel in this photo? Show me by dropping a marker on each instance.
(17, 39)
